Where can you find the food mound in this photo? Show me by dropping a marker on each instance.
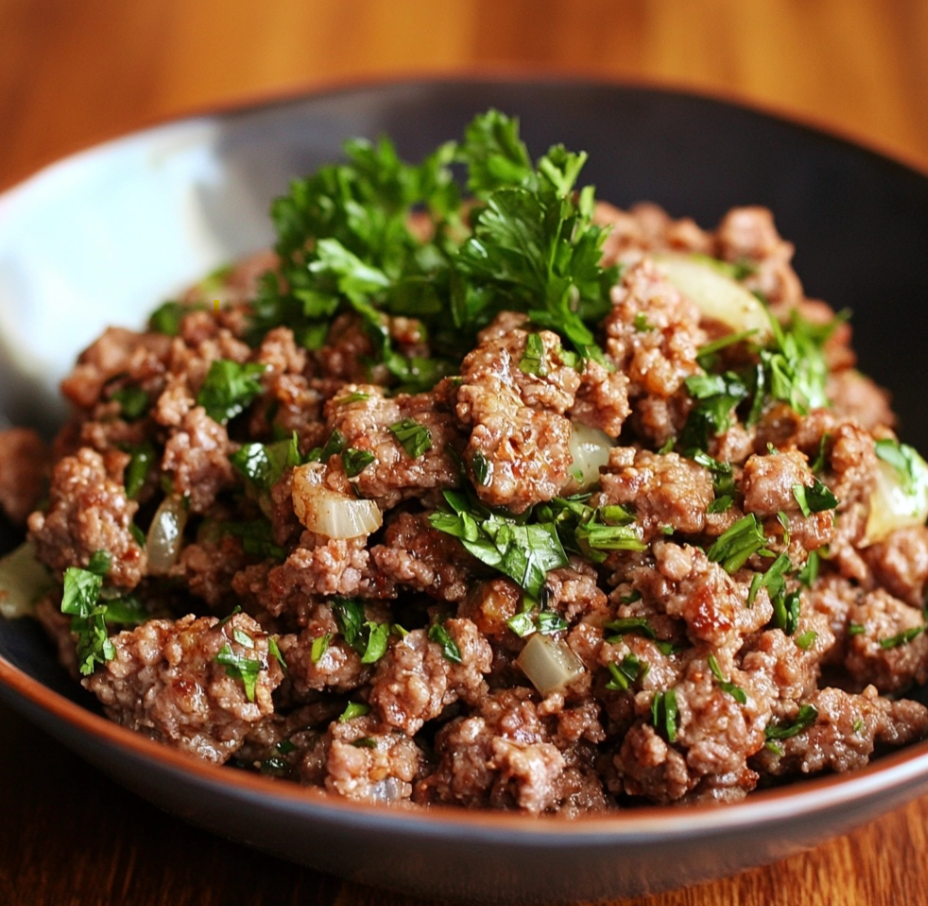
(479, 491)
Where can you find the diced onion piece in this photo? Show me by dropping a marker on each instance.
(589, 448)
(329, 512)
(23, 580)
(549, 663)
(895, 504)
(166, 535)
(716, 295)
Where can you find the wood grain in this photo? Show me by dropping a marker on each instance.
(76, 71)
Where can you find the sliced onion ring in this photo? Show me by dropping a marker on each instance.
(23, 580)
(716, 295)
(329, 512)
(549, 663)
(166, 535)
(589, 448)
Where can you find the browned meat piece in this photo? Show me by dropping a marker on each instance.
(502, 757)
(416, 680)
(367, 424)
(365, 762)
(88, 512)
(24, 460)
(900, 563)
(886, 643)
(167, 681)
(515, 409)
(664, 490)
(414, 555)
(855, 396)
(196, 459)
(139, 357)
(844, 732)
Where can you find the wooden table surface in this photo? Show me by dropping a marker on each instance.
(76, 71)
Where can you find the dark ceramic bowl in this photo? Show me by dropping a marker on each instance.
(105, 235)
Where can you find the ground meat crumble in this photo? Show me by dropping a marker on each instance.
(749, 627)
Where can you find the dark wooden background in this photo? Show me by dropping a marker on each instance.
(76, 71)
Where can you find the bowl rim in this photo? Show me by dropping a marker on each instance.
(796, 799)
(528, 75)
(803, 798)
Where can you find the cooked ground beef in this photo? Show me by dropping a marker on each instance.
(563, 572)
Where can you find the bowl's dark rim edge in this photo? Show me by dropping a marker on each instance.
(790, 802)
(246, 102)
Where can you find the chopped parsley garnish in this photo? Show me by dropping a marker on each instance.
(167, 317)
(356, 461)
(786, 612)
(345, 245)
(664, 714)
(415, 438)
(357, 396)
(717, 396)
(273, 649)
(367, 637)
(637, 626)
(319, 647)
(143, 458)
(805, 718)
(240, 667)
(264, 464)
(733, 547)
(626, 672)
(353, 710)
(81, 600)
(736, 692)
(336, 443)
(856, 629)
(809, 573)
(723, 480)
(524, 551)
(133, 401)
(482, 468)
(531, 620)
(815, 499)
(229, 388)
(533, 360)
(449, 648)
(641, 323)
(257, 537)
(592, 531)
(902, 638)
(805, 640)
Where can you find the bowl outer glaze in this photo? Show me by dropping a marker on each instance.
(75, 255)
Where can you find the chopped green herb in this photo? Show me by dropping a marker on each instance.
(358, 396)
(641, 323)
(257, 537)
(805, 640)
(856, 629)
(533, 360)
(716, 397)
(774, 579)
(820, 461)
(859, 726)
(365, 742)
(482, 467)
(664, 714)
(805, 718)
(353, 710)
(229, 388)
(274, 651)
(911, 469)
(736, 692)
(809, 573)
(243, 638)
(356, 461)
(902, 638)
(265, 464)
(816, 499)
(240, 667)
(786, 612)
(167, 317)
(416, 439)
(367, 637)
(143, 458)
(319, 647)
(626, 672)
(449, 648)
(133, 401)
(88, 617)
(523, 551)
(734, 546)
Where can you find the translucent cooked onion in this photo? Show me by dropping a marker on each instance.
(717, 295)
(23, 580)
(589, 448)
(166, 534)
(329, 512)
(895, 502)
(549, 663)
